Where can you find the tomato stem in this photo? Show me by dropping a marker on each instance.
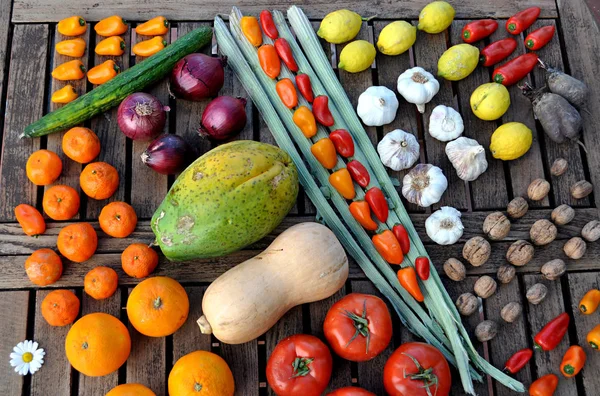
(361, 324)
(425, 375)
(300, 366)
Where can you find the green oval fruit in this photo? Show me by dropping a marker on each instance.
(230, 197)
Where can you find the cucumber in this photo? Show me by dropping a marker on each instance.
(114, 91)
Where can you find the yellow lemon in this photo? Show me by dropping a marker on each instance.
(357, 56)
(490, 101)
(436, 17)
(396, 37)
(340, 26)
(510, 141)
(458, 61)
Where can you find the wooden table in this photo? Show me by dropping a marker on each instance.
(27, 37)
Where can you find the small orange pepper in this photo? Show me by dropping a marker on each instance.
(269, 60)
(74, 47)
(72, 26)
(149, 47)
(112, 46)
(64, 95)
(305, 120)
(593, 337)
(30, 219)
(111, 26)
(324, 151)
(573, 361)
(103, 72)
(590, 301)
(388, 246)
(251, 30)
(287, 92)
(342, 182)
(154, 27)
(408, 280)
(544, 386)
(71, 70)
(361, 211)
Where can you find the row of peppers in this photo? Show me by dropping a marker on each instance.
(391, 244)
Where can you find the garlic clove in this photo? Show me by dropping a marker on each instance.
(417, 86)
(399, 150)
(468, 158)
(424, 185)
(445, 123)
(444, 226)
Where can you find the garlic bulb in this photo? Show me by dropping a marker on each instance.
(444, 226)
(377, 106)
(398, 150)
(424, 185)
(445, 123)
(418, 86)
(468, 158)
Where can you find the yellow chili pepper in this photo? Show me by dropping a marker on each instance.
(149, 47)
(154, 27)
(113, 46)
(72, 26)
(342, 182)
(251, 30)
(103, 72)
(305, 120)
(590, 301)
(111, 26)
(64, 95)
(593, 337)
(74, 47)
(72, 70)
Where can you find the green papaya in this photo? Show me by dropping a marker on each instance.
(230, 197)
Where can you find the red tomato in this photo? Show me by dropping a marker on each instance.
(414, 358)
(358, 327)
(299, 365)
(351, 391)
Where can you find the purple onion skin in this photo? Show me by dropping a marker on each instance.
(223, 118)
(197, 77)
(168, 154)
(141, 116)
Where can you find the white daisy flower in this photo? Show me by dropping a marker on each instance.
(26, 358)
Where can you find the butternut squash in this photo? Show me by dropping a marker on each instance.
(306, 263)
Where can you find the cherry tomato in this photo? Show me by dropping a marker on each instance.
(351, 391)
(358, 327)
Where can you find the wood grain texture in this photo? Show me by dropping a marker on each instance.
(243, 362)
(5, 6)
(189, 338)
(13, 316)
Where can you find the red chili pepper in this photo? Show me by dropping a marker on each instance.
(285, 54)
(478, 30)
(378, 204)
(516, 362)
(359, 173)
(343, 142)
(538, 38)
(267, 24)
(522, 20)
(387, 245)
(402, 237)
(362, 213)
(321, 111)
(422, 267)
(515, 70)
(497, 51)
(550, 336)
(304, 86)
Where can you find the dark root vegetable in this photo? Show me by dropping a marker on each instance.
(168, 154)
(197, 77)
(562, 84)
(141, 116)
(223, 118)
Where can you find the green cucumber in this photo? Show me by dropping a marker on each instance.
(113, 92)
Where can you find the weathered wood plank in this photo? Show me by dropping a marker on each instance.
(189, 338)
(5, 5)
(243, 361)
(13, 316)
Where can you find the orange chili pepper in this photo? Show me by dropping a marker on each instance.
(111, 26)
(64, 95)
(30, 219)
(103, 72)
(251, 30)
(72, 26)
(388, 246)
(408, 280)
(287, 93)
(573, 361)
(544, 386)
(342, 182)
(324, 151)
(154, 27)
(72, 70)
(149, 47)
(305, 120)
(269, 60)
(589, 303)
(593, 337)
(112, 46)
(74, 47)
(361, 211)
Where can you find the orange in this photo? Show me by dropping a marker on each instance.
(101, 282)
(99, 180)
(201, 371)
(77, 242)
(61, 202)
(158, 306)
(43, 167)
(43, 267)
(81, 145)
(60, 307)
(118, 219)
(139, 260)
(97, 344)
(130, 390)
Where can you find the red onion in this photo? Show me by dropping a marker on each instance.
(224, 117)
(141, 116)
(197, 77)
(168, 154)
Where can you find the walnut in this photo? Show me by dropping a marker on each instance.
(485, 286)
(538, 189)
(486, 330)
(454, 269)
(477, 251)
(536, 293)
(506, 273)
(581, 189)
(591, 231)
(563, 214)
(517, 208)
(520, 253)
(511, 312)
(559, 167)
(575, 248)
(467, 304)
(496, 226)
(553, 269)
(543, 232)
